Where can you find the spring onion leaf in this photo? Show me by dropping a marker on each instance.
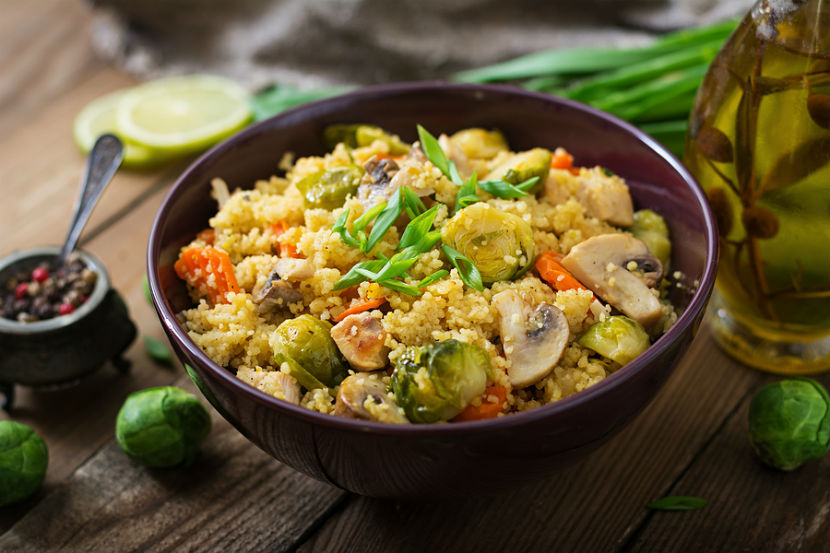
(466, 194)
(677, 503)
(428, 241)
(345, 235)
(436, 276)
(363, 221)
(385, 220)
(418, 228)
(466, 269)
(433, 151)
(412, 203)
(400, 286)
(353, 276)
(505, 190)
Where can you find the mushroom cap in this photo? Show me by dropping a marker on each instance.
(352, 398)
(533, 339)
(601, 263)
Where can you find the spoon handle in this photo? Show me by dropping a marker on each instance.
(103, 161)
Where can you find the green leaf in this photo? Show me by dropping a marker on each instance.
(466, 194)
(436, 276)
(418, 228)
(385, 220)
(363, 221)
(678, 503)
(466, 269)
(505, 190)
(354, 276)
(340, 227)
(280, 98)
(412, 203)
(433, 150)
(157, 351)
(428, 241)
(400, 286)
(455, 177)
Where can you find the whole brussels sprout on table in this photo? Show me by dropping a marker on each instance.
(789, 423)
(162, 427)
(23, 461)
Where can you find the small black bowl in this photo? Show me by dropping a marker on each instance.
(60, 351)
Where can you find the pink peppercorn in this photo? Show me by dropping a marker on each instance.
(66, 308)
(40, 274)
(21, 290)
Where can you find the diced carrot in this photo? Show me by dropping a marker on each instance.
(285, 248)
(359, 308)
(554, 273)
(561, 159)
(379, 157)
(208, 236)
(208, 270)
(487, 409)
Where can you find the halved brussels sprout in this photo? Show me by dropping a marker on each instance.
(500, 244)
(306, 341)
(651, 229)
(523, 166)
(436, 382)
(329, 188)
(357, 136)
(618, 338)
(480, 143)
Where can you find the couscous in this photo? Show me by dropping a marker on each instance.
(442, 281)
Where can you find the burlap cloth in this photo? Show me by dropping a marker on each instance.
(310, 43)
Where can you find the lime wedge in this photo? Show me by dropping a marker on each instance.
(181, 115)
(97, 118)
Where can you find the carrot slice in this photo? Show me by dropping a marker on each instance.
(208, 236)
(561, 159)
(286, 249)
(359, 308)
(209, 271)
(554, 273)
(487, 409)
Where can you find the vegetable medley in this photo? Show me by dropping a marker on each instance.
(442, 281)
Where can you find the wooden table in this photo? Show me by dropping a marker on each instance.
(692, 440)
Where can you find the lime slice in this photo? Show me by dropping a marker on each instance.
(97, 118)
(183, 114)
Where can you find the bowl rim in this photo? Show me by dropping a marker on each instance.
(228, 379)
(102, 286)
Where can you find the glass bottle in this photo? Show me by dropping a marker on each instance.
(759, 145)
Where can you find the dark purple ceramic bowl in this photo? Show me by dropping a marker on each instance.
(426, 460)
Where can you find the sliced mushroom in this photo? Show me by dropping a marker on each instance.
(374, 187)
(533, 339)
(619, 269)
(364, 396)
(289, 268)
(275, 291)
(361, 339)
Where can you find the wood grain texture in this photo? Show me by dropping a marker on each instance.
(593, 506)
(233, 498)
(751, 507)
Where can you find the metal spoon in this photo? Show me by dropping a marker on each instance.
(103, 161)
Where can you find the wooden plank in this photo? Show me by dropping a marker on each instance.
(751, 507)
(593, 506)
(234, 497)
(44, 50)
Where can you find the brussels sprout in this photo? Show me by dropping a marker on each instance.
(307, 341)
(480, 143)
(162, 427)
(651, 229)
(329, 188)
(618, 338)
(436, 382)
(500, 244)
(523, 166)
(23, 461)
(357, 136)
(789, 422)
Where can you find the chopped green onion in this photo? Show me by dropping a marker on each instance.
(466, 194)
(505, 190)
(385, 220)
(418, 227)
(412, 203)
(466, 269)
(345, 235)
(436, 276)
(400, 286)
(355, 277)
(433, 151)
(364, 220)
